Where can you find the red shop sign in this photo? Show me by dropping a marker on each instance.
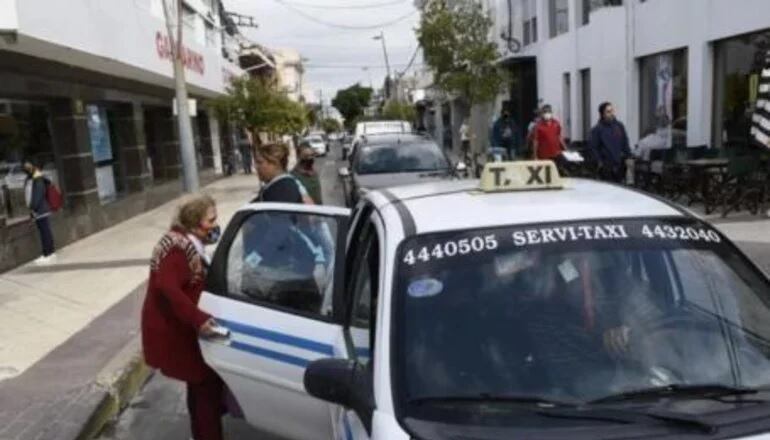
(191, 59)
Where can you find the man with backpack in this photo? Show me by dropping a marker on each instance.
(39, 194)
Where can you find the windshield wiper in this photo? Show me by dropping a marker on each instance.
(706, 391)
(493, 398)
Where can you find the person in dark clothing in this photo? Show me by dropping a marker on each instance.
(35, 188)
(277, 184)
(307, 175)
(609, 145)
(244, 147)
(283, 271)
(505, 134)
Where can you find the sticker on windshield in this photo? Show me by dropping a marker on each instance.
(424, 288)
(253, 260)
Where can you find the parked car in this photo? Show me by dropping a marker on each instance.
(365, 129)
(318, 144)
(395, 160)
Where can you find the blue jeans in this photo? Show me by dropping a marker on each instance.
(46, 236)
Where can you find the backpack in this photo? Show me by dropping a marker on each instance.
(53, 196)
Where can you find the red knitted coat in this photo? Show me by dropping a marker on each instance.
(170, 315)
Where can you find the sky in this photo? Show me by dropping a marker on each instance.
(294, 24)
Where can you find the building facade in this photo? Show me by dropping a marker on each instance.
(86, 90)
(680, 72)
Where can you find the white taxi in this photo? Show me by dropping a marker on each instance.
(522, 305)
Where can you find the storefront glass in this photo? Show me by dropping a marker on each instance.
(738, 66)
(24, 134)
(663, 100)
(101, 147)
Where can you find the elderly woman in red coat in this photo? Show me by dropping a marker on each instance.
(171, 319)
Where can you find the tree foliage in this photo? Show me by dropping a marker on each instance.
(330, 125)
(261, 107)
(351, 103)
(455, 40)
(396, 110)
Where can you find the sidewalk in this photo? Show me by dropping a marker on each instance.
(63, 323)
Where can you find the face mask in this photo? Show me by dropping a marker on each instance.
(213, 235)
(307, 163)
(547, 116)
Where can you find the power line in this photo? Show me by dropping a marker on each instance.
(411, 61)
(312, 18)
(367, 6)
(331, 66)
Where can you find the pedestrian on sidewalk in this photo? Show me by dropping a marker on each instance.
(306, 173)
(505, 134)
(547, 140)
(609, 145)
(35, 188)
(171, 319)
(277, 184)
(245, 146)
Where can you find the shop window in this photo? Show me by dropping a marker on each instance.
(24, 134)
(558, 16)
(101, 148)
(663, 100)
(738, 67)
(188, 18)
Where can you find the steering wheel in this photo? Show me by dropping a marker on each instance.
(662, 344)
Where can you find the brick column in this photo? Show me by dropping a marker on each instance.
(73, 150)
(132, 144)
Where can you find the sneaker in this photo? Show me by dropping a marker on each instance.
(42, 260)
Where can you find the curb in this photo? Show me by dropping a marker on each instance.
(121, 379)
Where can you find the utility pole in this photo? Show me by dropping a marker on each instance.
(381, 38)
(186, 142)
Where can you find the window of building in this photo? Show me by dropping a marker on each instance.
(529, 14)
(585, 102)
(663, 100)
(188, 18)
(24, 134)
(738, 67)
(558, 17)
(592, 5)
(211, 35)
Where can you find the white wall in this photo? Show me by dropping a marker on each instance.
(8, 19)
(117, 38)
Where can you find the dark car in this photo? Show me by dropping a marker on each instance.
(394, 160)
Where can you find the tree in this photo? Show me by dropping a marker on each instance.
(351, 103)
(258, 105)
(455, 41)
(330, 125)
(402, 111)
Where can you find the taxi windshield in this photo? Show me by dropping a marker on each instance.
(578, 312)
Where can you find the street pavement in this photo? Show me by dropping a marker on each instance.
(159, 411)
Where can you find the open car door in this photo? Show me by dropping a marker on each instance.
(276, 283)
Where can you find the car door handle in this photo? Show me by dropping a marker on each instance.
(221, 334)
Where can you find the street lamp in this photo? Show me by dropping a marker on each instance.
(381, 37)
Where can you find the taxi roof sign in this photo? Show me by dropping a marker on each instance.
(520, 176)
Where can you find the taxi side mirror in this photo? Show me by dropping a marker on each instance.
(343, 382)
(331, 380)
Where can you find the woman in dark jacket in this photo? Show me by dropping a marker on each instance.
(277, 184)
(171, 319)
(35, 187)
(306, 174)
